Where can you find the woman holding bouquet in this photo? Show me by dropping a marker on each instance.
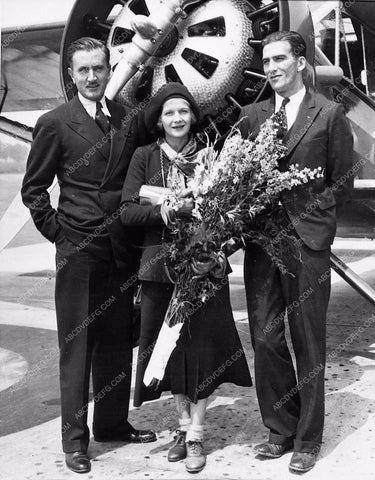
(208, 351)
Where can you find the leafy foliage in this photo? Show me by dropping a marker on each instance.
(235, 192)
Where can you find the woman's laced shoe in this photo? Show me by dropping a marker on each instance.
(178, 451)
(196, 457)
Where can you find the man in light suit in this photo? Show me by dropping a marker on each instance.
(88, 144)
(317, 135)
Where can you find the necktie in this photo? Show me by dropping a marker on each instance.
(282, 118)
(101, 119)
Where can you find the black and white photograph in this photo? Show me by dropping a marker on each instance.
(187, 239)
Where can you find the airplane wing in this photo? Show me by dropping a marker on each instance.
(15, 218)
(31, 36)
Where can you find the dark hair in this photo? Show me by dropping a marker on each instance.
(295, 40)
(86, 44)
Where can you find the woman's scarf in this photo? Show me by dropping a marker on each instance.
(181, 166)
(184, 161)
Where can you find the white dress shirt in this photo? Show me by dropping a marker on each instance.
(292, 107)
(90, 106)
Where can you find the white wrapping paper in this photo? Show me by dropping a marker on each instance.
(153, 195)
(163, 349)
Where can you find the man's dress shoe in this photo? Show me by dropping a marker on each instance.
(78, 462)
(302, 462)
(136, 436)
(273, 450)
(178, 451)
(195, 457)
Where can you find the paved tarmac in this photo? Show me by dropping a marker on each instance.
(29, 392)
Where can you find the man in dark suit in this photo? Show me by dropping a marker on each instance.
(317, 134)
(88, 144)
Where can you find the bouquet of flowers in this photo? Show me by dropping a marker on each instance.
(233, 191)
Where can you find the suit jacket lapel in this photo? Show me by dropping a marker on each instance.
(82, 125)
(307, 112)
(267, 109)
(119, 131)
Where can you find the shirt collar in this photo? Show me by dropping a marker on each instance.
(90, 105)
(295, 99)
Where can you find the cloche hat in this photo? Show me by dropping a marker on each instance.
(167, 91)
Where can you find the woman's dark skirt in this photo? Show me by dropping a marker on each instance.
(208, 352)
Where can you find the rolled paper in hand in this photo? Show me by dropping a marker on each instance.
(153, 195)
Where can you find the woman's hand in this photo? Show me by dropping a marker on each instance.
(216, 266)
(185, 207)
(201, 268)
